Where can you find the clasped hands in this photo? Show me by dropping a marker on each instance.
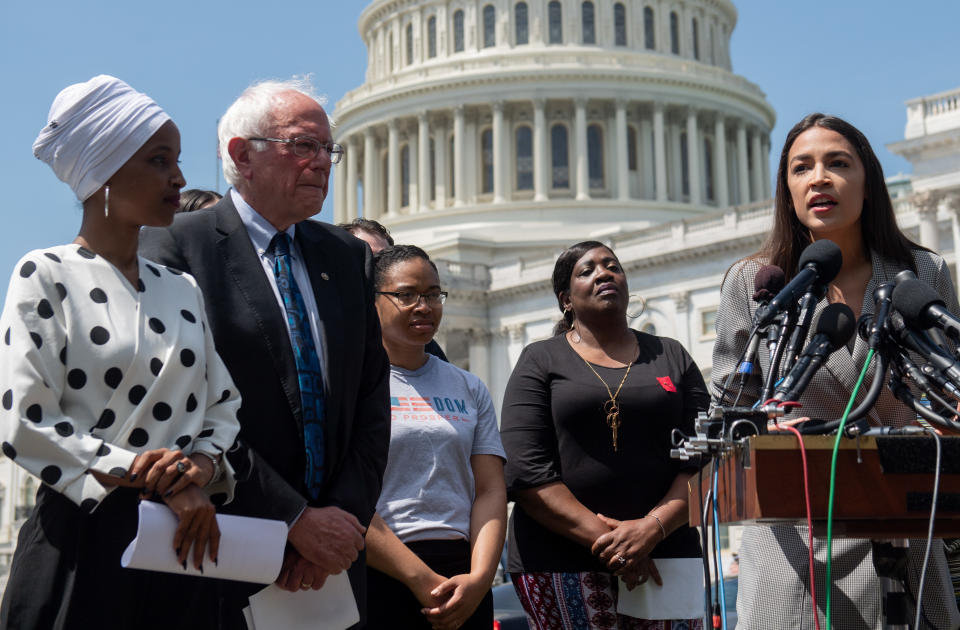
(323, 541)
(449, 602)
(178, 480)
(632, 541)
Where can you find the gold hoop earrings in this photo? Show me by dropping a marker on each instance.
(643, 306)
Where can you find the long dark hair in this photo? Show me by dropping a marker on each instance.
(562, 272)
(878, 223)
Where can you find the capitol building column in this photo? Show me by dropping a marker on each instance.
(339, 192)
(927, 204)
(580, 149)
(479, 353)
(498, 153)
(423, 166)
(623, 174)
(353, 157)
(743, 173)
(540, 164)
(660, 151)
(720, 162)
(370, 161)
(440, 144)
(459, 163)
(693, 156)
(393, 168)
(756, 170)
(953, 206)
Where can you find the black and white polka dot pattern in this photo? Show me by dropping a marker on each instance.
(94, 369)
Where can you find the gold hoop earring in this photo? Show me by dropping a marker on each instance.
(643, 306)
(576, 332)
(106, 202)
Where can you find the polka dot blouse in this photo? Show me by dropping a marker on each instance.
(94, 370)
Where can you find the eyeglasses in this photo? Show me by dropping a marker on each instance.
(409, 298)
(307, 147)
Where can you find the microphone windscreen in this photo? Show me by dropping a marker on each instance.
(767, 283)
(837, 322)
(826, 256)
(912, 297)
(864, 324)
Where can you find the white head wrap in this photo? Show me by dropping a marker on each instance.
(93, 129)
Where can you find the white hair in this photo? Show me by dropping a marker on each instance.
(250, 115)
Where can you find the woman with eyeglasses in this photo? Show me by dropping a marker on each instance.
(435, 541)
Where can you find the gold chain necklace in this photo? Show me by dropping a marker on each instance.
(612, 407)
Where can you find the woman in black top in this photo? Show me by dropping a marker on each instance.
(587, 419)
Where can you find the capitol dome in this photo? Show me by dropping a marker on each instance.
(488, 125)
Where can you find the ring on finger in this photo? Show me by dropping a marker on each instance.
(181, 467)
(305, 585)
(620, 560)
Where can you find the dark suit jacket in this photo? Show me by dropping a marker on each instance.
(251, 337)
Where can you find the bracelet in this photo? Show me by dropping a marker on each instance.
(660, 523)
(217, 470)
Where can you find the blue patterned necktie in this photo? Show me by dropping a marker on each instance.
(308, 363)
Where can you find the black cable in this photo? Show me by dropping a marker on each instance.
(716, 561)
(726, 384)
(933, 515)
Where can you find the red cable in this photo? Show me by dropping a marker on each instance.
(806, 489)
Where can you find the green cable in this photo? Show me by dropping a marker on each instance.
(833, 478)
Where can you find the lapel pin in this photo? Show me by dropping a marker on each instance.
(323, 274)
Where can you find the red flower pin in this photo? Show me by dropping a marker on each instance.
(667, 384)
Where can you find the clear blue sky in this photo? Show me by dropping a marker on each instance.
(857, 59)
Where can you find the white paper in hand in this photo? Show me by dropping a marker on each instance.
(333, 607)
(251, 549)
(680, 597)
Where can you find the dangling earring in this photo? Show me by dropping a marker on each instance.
(643, 305)
(106, 202)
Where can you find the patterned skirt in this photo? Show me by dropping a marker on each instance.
(582, 601)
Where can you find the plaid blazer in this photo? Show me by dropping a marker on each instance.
(774, 574)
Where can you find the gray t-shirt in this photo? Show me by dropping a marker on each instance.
(441, 415)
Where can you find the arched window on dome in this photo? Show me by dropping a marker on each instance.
(458, 31)
(524, 175)
(595, 156)
(631, 149)
(521, 25)
(674, 33)
(486, 161)
(489, 26)
(588, 23)
(432, 37)
(409, 38)
(555, 22)
(695, 27)
(619, 24)
(560, 157)
(405, 176)
(649, 30)
(708, 168)
(433, 170)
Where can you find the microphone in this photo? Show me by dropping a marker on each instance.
(833, 329)
(766, 284)
(819, 262)
(921, 344)
(921, 307)
(808, 304)
(882, 298)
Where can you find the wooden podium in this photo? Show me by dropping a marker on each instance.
(884, 485)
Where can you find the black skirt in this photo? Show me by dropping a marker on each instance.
(390, 604)
(66, 574)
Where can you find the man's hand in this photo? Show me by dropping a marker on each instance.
(328, 537)
(299, 575)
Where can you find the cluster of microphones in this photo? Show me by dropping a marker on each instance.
(907, 332)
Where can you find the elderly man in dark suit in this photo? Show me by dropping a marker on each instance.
(290, 302)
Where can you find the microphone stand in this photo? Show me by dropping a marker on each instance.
(770, 382)
(808, 304)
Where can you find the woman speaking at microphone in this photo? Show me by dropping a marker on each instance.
(830, 185)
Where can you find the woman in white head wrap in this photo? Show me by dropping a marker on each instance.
(112, 391)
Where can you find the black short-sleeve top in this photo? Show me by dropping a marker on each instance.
(554, 428)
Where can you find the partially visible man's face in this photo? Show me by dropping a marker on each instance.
(375, 241)
(281, 186)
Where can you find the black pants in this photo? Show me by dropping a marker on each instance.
(390, 604)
